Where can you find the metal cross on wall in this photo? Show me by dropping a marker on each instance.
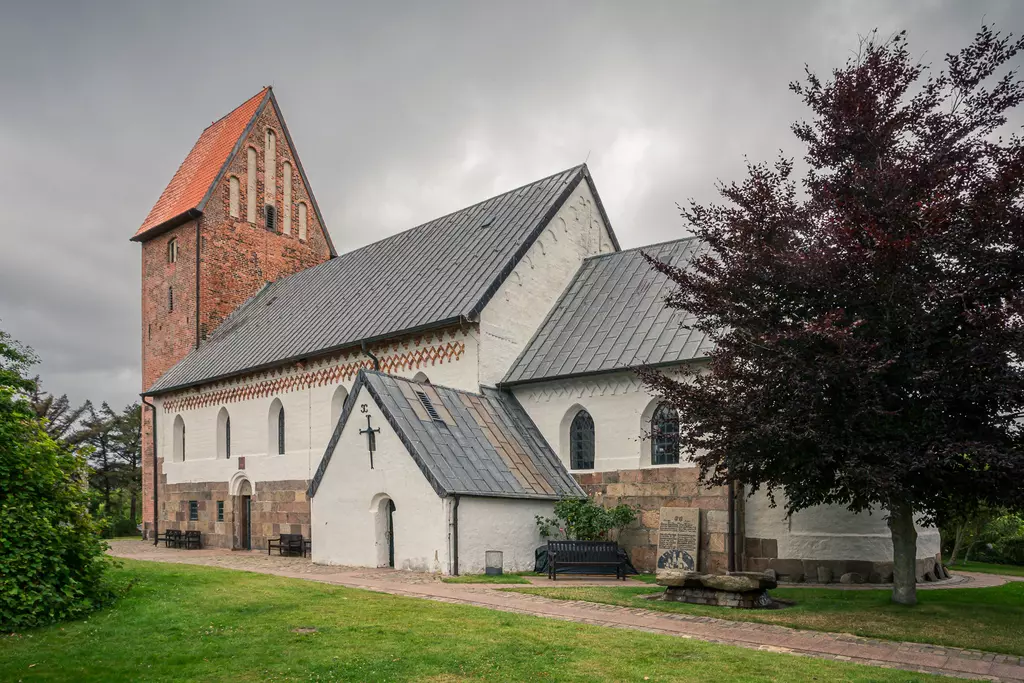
(371, 433)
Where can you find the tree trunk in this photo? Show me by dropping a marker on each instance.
(904, 555)
(958, 540)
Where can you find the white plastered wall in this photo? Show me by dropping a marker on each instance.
(619, 404)
(504, 524)
(829, 532)
(346, 527)
(522, 301)
(309, 422)
(617, 401)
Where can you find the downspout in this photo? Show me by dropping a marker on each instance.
(455, 537)
(156, 478)
(198, 336)
(732, 525)
(376, 366)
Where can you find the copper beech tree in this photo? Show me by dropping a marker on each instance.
(867, 325)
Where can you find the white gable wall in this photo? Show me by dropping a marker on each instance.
(523, 300)
(345, 509)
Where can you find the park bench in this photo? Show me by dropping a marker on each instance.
(171, 538)
(287, 544)
(585, 554)
(192, 540)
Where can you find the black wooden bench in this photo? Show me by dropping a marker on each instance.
(287, 544)
(171, 538)
(585, 554)
(192, 540)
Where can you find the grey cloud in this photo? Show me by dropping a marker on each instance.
(401, 112)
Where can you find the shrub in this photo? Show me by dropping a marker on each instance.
(52, 562)
(581, 519)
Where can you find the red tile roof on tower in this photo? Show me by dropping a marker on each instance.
(191, 183)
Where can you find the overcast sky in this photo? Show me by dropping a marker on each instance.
(400, 112)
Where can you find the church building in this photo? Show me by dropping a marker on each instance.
(418, 401)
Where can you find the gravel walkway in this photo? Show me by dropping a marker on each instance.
(837, 646)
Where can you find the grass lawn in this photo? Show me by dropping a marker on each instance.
(488, 578)
(185, 623)
(986, 568)
(979, 618)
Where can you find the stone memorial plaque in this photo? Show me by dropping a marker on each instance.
(679, 539)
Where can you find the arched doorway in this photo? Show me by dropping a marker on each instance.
(242, 498)
(385, 527)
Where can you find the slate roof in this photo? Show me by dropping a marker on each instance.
(611, 317)
(434, 275)
(471, 444)
(199, 170)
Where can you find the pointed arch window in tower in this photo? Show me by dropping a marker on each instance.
(302, 220)
(172, 250)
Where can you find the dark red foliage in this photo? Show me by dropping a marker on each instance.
(868, 326)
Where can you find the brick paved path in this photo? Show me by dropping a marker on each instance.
(844, 647)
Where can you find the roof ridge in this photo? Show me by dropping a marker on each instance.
(429, 384)
(421, 225)
(467, 208)
(260, 94)
(642, 246)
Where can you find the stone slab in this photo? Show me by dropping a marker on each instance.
(679, 538)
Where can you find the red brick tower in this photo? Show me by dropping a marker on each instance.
(237, 214)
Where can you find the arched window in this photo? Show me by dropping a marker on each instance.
(337, 405)
(581, 442)
(172, 250)
(223, 434)
(234, 196)
(286, 207)
(270, 168)
(178, 436)
(250, 184)
(302, 220)
(276, 428)
(665, 435)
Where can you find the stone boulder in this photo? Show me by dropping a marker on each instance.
(851, 577)
(736, 582)
(739, 582)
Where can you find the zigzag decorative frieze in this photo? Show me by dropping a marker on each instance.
(409, 360)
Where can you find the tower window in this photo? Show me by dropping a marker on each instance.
(172, 251)
(193, 511)
(170, 298)
(220, 510)
(271, 215)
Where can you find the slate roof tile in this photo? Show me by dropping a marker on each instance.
(612, 317)
(433, 275)
(490, 449)
(200, 168)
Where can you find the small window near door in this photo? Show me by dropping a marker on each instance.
(193, 511)
(220, 510)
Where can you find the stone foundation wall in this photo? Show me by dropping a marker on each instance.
(277, 507)
(710, 596)
(653, 488)
(761, 554)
